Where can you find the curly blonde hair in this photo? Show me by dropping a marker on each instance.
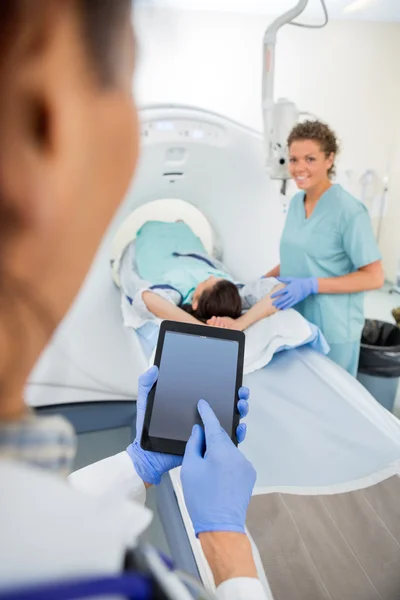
(317, 132)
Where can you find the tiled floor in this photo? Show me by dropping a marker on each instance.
(379, 305)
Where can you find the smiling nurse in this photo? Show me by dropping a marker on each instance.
(328, 252)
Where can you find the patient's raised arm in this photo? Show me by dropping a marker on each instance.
(263, 308)
(163, 309)
(275, 272)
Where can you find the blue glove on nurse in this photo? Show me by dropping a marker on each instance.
(151, 466)
(217, 479)
(295, 291)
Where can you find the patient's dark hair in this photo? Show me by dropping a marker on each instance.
(222, 300)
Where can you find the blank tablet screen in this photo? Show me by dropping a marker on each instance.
(192, 368)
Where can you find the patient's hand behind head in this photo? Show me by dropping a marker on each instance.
(220, 300)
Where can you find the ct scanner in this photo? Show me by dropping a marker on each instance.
(310, 424)
(193, 155)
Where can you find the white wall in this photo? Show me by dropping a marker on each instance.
(348, 74)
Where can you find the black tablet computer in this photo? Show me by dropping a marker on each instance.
(195, 362)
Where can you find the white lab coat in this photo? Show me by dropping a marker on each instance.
(51, 529)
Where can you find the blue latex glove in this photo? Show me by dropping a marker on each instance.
(151, 466)
(217, 485)
(295, 291)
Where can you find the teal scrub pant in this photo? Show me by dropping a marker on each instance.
(346, 355)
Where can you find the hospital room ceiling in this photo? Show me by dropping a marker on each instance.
(371, 10)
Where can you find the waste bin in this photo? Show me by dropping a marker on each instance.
(379, 365)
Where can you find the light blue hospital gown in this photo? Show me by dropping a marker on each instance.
(337, 239)
(170, 260)
(170, 255)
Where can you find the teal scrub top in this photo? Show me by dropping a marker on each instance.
(337, 239)
(171, 255)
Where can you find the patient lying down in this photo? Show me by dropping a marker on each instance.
(216, 302)
(169, 272)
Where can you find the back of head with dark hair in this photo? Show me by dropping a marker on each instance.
(222, 300)
(23, 25)
(100, 21)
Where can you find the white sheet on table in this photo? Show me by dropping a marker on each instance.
(281, 331)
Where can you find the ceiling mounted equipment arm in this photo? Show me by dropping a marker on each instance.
(279, 117)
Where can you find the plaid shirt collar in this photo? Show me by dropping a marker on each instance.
(46, 442)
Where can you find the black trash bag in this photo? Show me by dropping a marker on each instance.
(380, 349)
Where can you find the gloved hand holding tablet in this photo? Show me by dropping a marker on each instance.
(195, 363)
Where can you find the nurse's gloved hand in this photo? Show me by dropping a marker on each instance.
(151, 466)
(296, 290)
(217, 479)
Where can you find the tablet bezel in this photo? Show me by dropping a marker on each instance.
(177, 447)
